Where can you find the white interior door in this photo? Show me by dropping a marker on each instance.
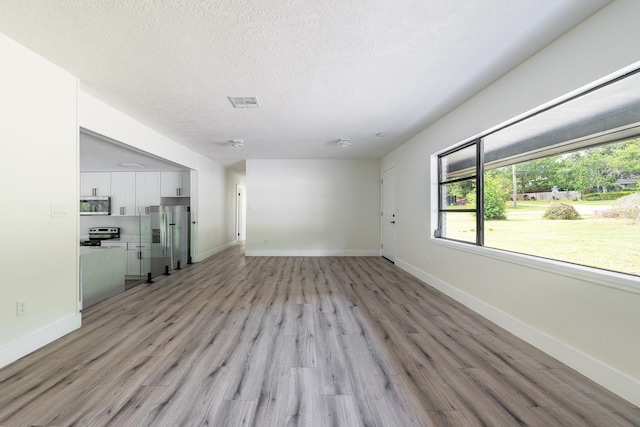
(241, 214)
(389, 214)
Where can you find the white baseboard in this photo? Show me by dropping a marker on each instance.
(211, 252)
(13, 351)
(312, 252)
(607, 376)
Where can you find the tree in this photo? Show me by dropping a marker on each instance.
(461, 189)
(625, 159)
(595, 169)
(538, 175)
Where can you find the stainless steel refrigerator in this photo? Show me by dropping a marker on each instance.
(170, 238)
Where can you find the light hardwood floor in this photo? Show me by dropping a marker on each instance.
(275, 341)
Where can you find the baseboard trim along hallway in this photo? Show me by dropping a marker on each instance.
(15, 350)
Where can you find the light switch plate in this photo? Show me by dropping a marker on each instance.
(59, 210)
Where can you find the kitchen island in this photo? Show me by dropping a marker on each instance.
(102, 272)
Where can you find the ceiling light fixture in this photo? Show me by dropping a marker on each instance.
(244, 101)
(381, 134)
(131, 165)
(344, 142)
(237, 143)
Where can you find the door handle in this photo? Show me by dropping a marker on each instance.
(392, 222)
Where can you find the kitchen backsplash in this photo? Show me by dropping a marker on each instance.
(129, 225)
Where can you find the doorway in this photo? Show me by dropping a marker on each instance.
(241, 214)
(388, 184)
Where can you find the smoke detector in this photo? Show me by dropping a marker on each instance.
(344, 142)
(244, 101)
(237, 143)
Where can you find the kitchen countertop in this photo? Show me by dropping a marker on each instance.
(113, 241)
(125, 238)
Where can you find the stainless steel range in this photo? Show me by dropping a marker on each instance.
(98, 234)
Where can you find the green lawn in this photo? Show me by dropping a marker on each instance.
(612, 244)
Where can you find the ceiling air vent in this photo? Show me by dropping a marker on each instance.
(244, 101)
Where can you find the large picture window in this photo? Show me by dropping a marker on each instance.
(561, 184)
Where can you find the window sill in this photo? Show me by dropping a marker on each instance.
(620, 281)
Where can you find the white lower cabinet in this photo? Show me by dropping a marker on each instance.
(124, 245)
(138, 257)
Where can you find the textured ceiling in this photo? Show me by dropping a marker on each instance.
(322, 69)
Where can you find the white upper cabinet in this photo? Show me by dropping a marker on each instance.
(175, 184)
(95, 184)
(123, 193)
(147, 191)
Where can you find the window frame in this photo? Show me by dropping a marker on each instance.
(615, 279)
(479, 180)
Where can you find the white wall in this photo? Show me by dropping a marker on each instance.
(215, 213)
(214, 230)
(313, 207)
(591, 327)
(43, 110)
(39, 141)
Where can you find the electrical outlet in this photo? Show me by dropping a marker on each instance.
(265, 241)
(426, 261)
(21, 308)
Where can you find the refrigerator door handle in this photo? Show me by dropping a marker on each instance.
(171, 255)
(163, 234)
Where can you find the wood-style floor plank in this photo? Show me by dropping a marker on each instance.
(278, 341)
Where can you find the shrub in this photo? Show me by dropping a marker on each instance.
(470, 197)
(561, 211)
(494, 206)
(611, 195)
(629, 207)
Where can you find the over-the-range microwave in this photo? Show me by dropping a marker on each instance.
(95, 205)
